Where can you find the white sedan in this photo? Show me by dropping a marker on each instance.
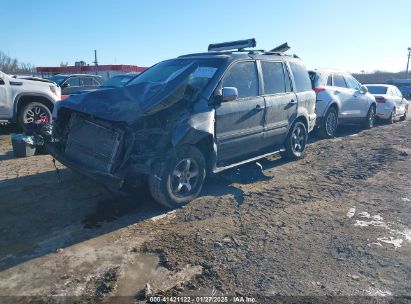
(390, 102)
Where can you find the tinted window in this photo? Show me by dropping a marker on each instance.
(330, 80)
(352, 83)
(377, 90)
(301, 78)
(86, 81)
(73, 81)
(273, 76)
(339, 81)
(243, 76)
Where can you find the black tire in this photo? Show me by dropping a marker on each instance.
(370, 118)
(404, 117)
(296, 141)
(33, 112)
(329, 124)
(179, 179)
(391, 119)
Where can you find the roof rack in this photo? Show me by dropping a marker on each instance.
(239, 45)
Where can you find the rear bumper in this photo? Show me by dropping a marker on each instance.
(383, 111)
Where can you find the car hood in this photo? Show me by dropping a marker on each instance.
(127, 104)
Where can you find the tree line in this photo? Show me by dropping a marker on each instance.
(10, 65)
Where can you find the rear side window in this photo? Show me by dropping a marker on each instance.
(86, 81)
(273, 77)
(339, 81)
(301, 78)
(243, 76)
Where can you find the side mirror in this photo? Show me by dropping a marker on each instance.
(229, 93)
(364, 89)
(65, 85)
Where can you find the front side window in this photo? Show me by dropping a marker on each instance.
(339, 81)
(244, 77)
(273, 77)
(301, 77)
(352, 83)
(73, 81)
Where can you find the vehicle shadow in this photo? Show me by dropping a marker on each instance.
(39, 215)
(8, 129)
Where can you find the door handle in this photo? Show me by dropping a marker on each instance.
(258, 107)
(293, 101)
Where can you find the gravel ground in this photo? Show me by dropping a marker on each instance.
(336, 223)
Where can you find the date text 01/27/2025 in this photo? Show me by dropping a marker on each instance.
(203, 299)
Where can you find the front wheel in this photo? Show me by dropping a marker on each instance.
(179, 179)
(34, 112)
(370, 118)
(296, 141)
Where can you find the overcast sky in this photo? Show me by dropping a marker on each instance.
(349, 35)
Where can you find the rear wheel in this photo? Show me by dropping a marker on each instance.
(404, 117)
(391, 119)
(370, 118)
(296, 141)
(179, 179)
(329, 124)
(34, 112)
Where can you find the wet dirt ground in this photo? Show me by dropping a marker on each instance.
(337, 223)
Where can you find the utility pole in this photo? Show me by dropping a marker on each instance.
(408, 62)
(95, 58)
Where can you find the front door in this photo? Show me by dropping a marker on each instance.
(358, 103)
(240, 123)
(5, 107)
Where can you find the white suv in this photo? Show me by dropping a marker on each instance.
(341, 99)
(27, 100)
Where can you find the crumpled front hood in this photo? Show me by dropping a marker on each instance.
(127, 104)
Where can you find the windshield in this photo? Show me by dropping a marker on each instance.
(57, 79)
(167, 70)
(118, 81)
(377, 90)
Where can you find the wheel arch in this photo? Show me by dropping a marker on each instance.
(22, 99)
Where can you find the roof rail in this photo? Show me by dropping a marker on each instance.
(239, 45)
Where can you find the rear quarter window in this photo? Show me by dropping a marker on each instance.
(301, 77)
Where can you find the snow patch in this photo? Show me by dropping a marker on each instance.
(396, 242)
(364, 214)
(351, 212)
(378, 292)
(405, 199)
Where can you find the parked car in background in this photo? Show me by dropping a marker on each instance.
(186, 117)
(118, 81)
(390, 102)
(27, 100)
(76, 82)
(341, 99)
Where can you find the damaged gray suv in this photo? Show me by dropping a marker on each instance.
(187, 117)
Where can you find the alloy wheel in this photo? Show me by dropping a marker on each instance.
(298, 139)
(331, 123)
(185, 177)
(36, 114)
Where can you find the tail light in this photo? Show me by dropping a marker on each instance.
(64, 97)
(319, 89)
(380, 99)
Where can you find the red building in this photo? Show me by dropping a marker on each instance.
(106, 71)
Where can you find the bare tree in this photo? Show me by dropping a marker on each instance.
(12, 66)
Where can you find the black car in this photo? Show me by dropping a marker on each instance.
(76, 82)
(187, 117)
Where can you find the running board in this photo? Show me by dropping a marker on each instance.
(219, 169)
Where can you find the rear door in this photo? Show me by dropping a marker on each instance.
(240, 123)
(87, 82)
(281, 102)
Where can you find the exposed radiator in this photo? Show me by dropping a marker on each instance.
(92, 145)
